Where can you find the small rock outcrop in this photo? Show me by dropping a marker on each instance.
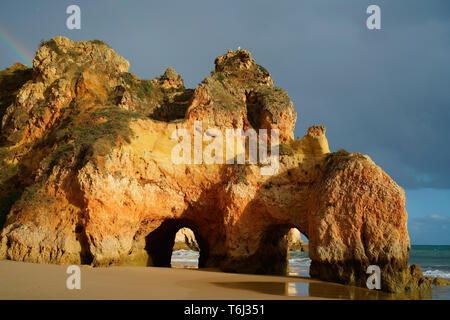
(295, 241)
(87, 175)
(185, 239)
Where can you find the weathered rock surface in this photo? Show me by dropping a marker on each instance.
(295, 241)
(185, 239)
(87, 175)
(440, 282)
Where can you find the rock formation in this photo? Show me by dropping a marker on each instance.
(87, 176)
(185, 239)
(295, 241)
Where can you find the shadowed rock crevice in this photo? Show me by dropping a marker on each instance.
(11, 80)
(254, 109)
(86, 256)
(163, 98)
(173, 107)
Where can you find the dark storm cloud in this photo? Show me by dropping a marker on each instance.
(384, 93)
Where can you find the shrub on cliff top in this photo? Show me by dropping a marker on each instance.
(100, 42)
(262, 69)
(141, 88)
(341, 159)
(52, 45)
(341, 153)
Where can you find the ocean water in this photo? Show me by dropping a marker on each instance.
(185, 259)
(433, 260)
(299, 263)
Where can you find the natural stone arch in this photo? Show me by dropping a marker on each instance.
(185, 252)
(272, 256)
(160, 242)
(107, 194)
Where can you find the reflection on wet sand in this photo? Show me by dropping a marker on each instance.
(321, 290)
(275, 288)
(337, 291)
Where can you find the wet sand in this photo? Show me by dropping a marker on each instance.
(19, 280)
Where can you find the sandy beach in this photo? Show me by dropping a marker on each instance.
(20, 280)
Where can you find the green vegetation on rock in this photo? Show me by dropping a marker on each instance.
(285, 149)
(340, 159)
(93, 137)
(262, 69)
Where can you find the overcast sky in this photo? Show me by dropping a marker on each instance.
(385, 93)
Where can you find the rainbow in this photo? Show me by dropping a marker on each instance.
(16, 48)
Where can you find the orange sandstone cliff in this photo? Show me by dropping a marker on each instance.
(87, 177)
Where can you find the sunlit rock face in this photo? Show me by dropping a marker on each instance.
(295, 241)
(185, 240)
(88, 175)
